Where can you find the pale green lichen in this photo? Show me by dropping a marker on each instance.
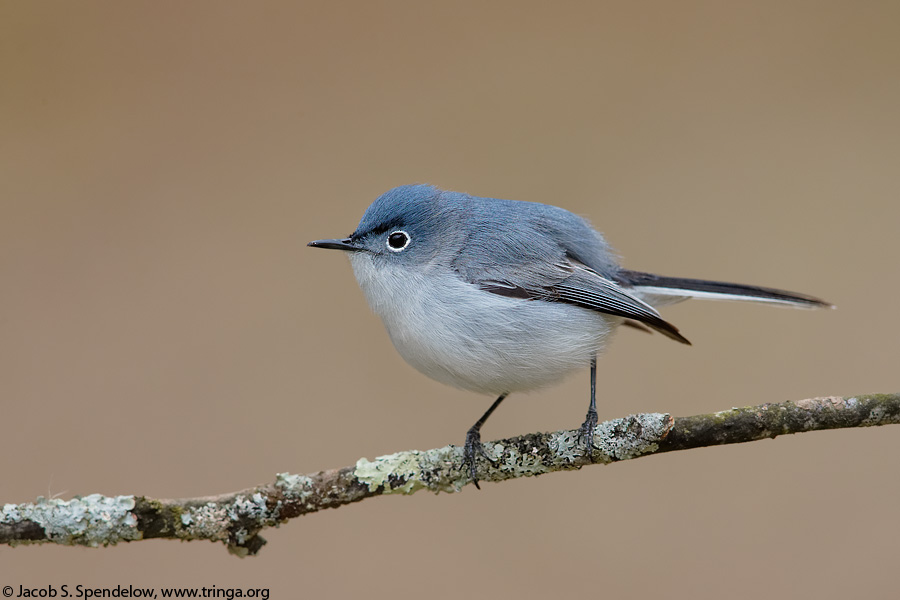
(621, 439)
(240, 536)
(89, 521)
(253, 507)
(402, 467)
(293, 485)
(566, 446)
(437, 470)
(516, 464)
(441, 469)
(208, 521)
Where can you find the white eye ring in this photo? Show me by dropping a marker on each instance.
(396, 236)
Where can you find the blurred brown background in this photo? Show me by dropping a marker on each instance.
(165, 331)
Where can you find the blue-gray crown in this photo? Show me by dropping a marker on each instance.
(398, 207)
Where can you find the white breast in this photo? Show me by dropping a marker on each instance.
(460, 335)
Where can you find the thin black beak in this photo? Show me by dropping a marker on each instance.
(345, 244)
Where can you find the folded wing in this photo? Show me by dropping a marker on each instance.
(571, 282)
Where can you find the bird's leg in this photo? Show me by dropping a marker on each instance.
(473, 442)
(587, 428)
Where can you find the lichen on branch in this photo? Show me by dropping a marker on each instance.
(237, 518)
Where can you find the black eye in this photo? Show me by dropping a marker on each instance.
(398, 240)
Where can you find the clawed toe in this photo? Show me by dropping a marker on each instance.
(587, 433)
(471, 450)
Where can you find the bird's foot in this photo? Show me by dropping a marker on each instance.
(587, 432)
(471, 450)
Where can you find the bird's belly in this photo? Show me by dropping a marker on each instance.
(499, 360)
(460, 335)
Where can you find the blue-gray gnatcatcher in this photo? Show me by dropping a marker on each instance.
(499, 296)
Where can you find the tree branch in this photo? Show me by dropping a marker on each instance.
(237, 518)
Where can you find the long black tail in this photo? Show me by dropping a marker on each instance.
(683, 288)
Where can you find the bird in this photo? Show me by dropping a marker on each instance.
(502, 296)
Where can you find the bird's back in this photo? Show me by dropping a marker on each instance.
(510, 234)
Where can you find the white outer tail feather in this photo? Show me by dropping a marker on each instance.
(662, 296)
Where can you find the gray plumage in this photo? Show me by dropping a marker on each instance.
(486, 296)
(498, 296)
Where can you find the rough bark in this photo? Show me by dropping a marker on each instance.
(237, 518)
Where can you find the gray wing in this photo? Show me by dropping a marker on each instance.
(544, 253)
(573, 283)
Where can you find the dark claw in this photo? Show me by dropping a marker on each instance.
(473, 442)
(473, 447)
(587, 432)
